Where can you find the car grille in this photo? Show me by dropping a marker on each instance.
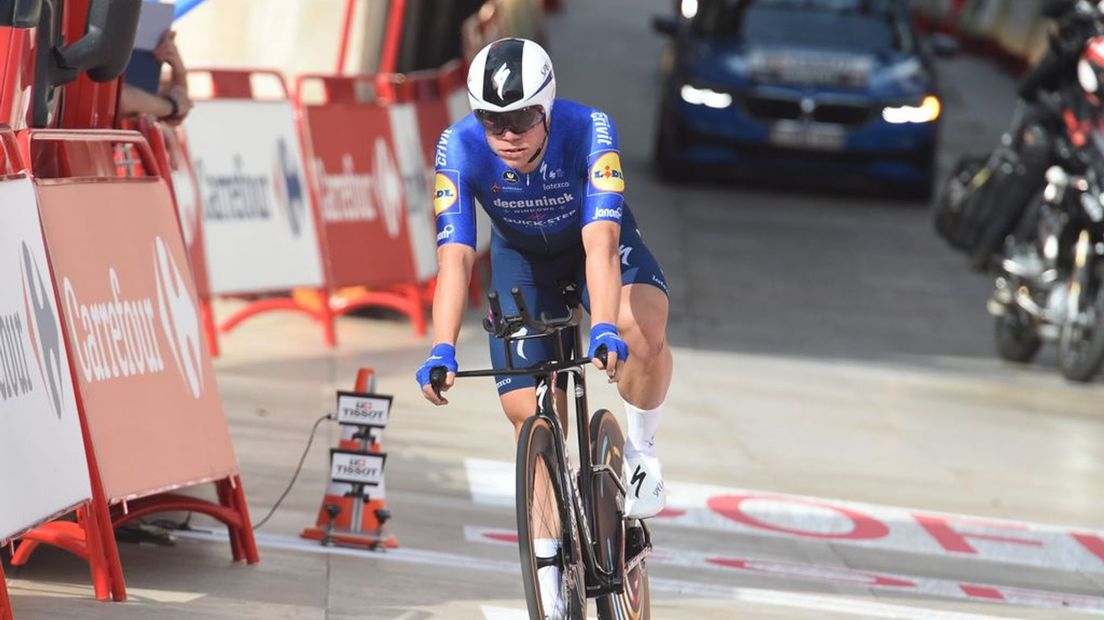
(778, 108)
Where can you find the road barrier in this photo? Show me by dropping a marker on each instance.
(1013, 31)
(368, 177)
(151, 414)
(43, 465)
(260, 236)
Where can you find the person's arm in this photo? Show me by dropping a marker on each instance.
(134, 100)
(601, 233)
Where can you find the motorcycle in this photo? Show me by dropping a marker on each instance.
(1052, 287)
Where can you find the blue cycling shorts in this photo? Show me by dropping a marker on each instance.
(540, 278)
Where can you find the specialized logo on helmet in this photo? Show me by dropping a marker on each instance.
(499, 80)
(179, 318)
(42, 328)
(606, 175)
(288, 187)
(446, 194)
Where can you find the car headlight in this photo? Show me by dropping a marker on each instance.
(705, 96)
(928, 110)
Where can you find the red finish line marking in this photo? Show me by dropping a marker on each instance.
(758, 513)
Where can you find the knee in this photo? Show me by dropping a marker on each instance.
(646, 345)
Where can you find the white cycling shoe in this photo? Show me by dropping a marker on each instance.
(644, 487)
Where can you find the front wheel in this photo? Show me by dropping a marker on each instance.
(555, 587)
(1081, 342)
(634, 601)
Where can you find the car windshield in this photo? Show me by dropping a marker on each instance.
(844, 25)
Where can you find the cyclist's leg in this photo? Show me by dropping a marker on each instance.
(646, 377)
(537, 278)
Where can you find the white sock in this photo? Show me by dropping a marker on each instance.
(641, 429)
(548, 576)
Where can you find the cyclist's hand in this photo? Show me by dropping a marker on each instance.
(444, 356)
(604, 335)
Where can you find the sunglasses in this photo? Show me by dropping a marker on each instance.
(517, 121)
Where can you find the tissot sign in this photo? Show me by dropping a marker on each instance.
(43, 469)
(132, 317)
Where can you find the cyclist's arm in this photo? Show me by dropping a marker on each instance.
(454, 261)
(603, 270)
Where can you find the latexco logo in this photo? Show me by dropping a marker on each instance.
(117, 338)
(350, 196)
(42, 327)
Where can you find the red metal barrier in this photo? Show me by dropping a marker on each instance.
(5, 603)
(16, 74)
(148, 404)
(170, 150)
(364, 203)
(211, 135)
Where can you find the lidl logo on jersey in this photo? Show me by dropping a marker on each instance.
(446, 193)
(606, 174)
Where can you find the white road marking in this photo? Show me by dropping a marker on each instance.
(22, 587)
(840, 576)
(759, 513)
(759, 596)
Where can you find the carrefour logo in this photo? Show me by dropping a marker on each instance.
(118, 338)
(446, 196)
(179, 318)
(43, 329)
(605, 173)
(289, 187)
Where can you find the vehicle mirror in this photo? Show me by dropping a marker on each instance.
(665, 25)
(944, 45)
(105, 48)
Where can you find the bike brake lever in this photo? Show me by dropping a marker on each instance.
(437, 377)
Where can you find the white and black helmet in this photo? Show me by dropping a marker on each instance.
(511, 74)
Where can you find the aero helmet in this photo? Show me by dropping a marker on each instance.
(511, 74)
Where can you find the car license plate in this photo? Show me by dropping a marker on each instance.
(809, 136)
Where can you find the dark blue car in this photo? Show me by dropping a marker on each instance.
(799, 90)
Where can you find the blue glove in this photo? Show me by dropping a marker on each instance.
(606, 334)
(442, 355)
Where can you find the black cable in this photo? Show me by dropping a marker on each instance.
(299, 468)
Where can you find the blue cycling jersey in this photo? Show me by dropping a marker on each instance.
(579, 181)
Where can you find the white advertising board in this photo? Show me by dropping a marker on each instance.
(258, 224)
(43, 468)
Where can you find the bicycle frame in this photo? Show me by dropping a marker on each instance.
(582, 497)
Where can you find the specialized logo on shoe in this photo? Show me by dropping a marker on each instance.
(179, 318)
(638, 478)
(606, 175)
(42, 327)
(288, 187)
(446, 194)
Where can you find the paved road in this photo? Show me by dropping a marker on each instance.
(841, 441)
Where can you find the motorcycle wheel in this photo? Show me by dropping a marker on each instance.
(1081, 341)
(1017, 339)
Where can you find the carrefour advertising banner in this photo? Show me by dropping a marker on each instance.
(258, 228)
(131, 312)
(186, 192)
(43, 468)
(363, 200)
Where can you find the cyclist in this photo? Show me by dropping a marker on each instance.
(548, 172)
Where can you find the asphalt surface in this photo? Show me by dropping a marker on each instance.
(841, 440)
